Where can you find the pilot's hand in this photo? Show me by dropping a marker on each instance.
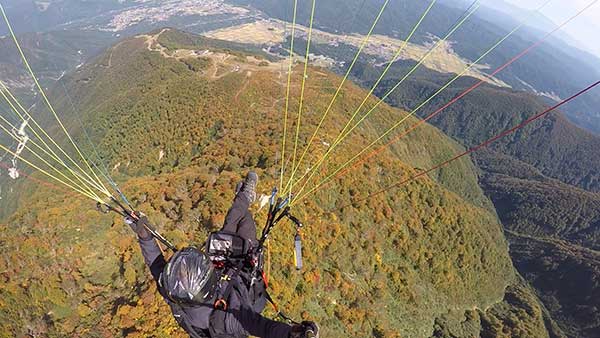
(137, 225)
(305, 329)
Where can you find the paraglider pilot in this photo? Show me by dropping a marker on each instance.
(208, 299)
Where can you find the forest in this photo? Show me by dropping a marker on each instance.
(428, 259)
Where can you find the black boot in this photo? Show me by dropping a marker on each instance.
(247, 189)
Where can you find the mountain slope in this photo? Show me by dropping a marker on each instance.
(50, 54)
(567, 279)
(530, 203)
(555, 146)
(178, 128)
(542, 180)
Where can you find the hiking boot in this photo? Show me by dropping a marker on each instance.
(247, 188)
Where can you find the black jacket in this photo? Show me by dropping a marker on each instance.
(241, 319)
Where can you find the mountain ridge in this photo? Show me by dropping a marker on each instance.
(570, 67)
(453, 254)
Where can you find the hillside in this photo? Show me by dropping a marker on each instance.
(555, 146)
(567, 279)
(179, 119)
(543, 181)
(530, 203)
(554, 236)
(51, 54)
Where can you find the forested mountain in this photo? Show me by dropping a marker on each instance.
(178, 118)
(51, 54)
(178, 130)
(530, 203)
(554, 69)
(543, 181)
(566, 279)
(555, 146)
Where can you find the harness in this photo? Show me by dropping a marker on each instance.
(241, 270)
(185, 322)
(224, 290)
(228, 282)
(236, 263)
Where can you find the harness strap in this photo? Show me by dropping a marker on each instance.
(223, 295)
(221, 303)
(217, 327)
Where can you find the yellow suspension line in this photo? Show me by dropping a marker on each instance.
(3, 91)
(46, 98)
(360, 49)
(301, 105)
(84, 188)
(402, 81)
(396, 125)
(95, 198)
(342, 137)
(390, 64)
(287, 97)
(414, 111)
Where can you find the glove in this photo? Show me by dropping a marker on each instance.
(138, 226)
(305, 329)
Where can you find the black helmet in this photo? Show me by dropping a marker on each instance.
(189, 277)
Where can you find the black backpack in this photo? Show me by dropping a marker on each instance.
(231, 255)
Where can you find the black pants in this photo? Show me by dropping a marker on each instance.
(240, 220)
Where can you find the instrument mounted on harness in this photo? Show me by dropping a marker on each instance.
(224, 245)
